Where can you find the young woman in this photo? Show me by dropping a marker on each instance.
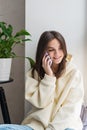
(54, 87)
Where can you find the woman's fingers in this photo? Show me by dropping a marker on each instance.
(46, 60)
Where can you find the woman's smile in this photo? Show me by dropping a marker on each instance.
(55, 51)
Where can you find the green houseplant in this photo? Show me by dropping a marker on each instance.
(8, 41)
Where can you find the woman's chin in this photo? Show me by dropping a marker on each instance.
(57, 62)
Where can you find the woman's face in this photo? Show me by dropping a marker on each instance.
(55, 51)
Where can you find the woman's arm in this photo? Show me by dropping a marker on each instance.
(68, 116)
(40, 94)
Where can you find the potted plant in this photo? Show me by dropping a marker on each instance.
(8, 41)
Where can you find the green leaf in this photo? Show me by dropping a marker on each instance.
(3, 27)
(22, 33)
(26, 40)
(31, 61)
(9, 30)
(5, 30)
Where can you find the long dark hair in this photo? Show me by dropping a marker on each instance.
(46, 37)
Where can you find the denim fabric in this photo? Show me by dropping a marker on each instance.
(14, 127)
(18, 127)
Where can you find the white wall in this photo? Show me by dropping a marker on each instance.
(65, 16)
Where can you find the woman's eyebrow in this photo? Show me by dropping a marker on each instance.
(50, 47)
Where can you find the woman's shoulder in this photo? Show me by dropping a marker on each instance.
(71, 68)
(29, 73)
(72, 73)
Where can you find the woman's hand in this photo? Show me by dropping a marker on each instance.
(46, 64)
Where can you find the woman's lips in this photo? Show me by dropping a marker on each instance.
(57, 58)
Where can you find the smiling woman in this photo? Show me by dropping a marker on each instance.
(55, 90)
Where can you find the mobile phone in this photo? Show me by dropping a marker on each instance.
(50, 62)
(49, 58)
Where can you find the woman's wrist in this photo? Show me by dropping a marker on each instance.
(51, 74)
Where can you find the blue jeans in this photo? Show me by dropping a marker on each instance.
(14, 127)
(18, 127)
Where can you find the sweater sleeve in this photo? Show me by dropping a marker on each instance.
(68, 115)
(40, 94)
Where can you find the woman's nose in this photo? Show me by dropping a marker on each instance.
(56, 53)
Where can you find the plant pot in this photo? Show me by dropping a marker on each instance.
(5, 69)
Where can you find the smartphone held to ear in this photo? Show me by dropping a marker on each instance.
(50, 62)
(49, 59)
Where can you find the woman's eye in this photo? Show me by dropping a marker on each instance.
(50, 50)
